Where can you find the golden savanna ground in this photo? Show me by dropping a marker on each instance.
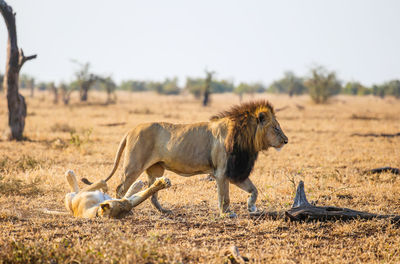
(321, 151)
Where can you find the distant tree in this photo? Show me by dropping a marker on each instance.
(322, 85)
(154, 86)
(356, 88)
(386, 89)
(207, 87)
(53, 89)
(42, 86)
(392, 88)
(66, 91)
(195, 86)
(84, 79)
(1, 81)
(170, 86)
(246, 88)
(134, 86)
(15, 60)
(222, 86)
(289, 84)
(109, 86)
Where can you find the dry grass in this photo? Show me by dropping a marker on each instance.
(321, 151)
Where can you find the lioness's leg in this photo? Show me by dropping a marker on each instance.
(127, 179)
(249, 187)
(71, 179)
(154, 172)
(159, 184)
(135, 187)
(99, 185)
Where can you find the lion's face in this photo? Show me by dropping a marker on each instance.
(114, 208)
(269, 132)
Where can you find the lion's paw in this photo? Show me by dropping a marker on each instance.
(252, 209)
(229, 214)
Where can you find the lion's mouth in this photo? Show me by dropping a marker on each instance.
(279, 147)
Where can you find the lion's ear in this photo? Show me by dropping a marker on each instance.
(105, 206)
(261, 118)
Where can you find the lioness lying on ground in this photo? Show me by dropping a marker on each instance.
(227, 147)
(91, 202)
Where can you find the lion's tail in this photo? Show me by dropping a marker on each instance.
(121, 148)
(51, 212)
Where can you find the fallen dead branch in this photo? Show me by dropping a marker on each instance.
(376, 135)
(282, 108)
(363, 117)
(384, 169)
(302, 210)
(113, 124)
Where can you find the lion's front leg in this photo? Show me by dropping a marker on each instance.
(249, 187)
(223, 197)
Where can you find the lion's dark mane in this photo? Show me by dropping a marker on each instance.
(240, 163)
(239, 143)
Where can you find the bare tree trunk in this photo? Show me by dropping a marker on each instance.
(14, 63)
(65, 93)
(85, 86)
(54, 90)
(207, 88)
(302, 210)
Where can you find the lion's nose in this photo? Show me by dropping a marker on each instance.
(285, 140)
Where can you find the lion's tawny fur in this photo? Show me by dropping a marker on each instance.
(226, 146)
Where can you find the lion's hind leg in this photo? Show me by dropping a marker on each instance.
(71, 179)
(154, 172)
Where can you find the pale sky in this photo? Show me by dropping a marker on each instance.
(241, 40)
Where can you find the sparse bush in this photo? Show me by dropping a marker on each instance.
(80, 140)
(196, 86)
(289, 84)
(24, 163)
(389, 88)
(356, 88)
(14, 186)
(243, 88)
(322, 85)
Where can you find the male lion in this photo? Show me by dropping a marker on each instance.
(91, 202)
(227, 146)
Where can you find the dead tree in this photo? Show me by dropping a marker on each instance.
(302, 210)
(65, 93)
(15, 61)
(85, 86)
(110, 87)
(53, 89)
(207, 87)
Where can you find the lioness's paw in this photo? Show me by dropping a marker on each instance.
(163, 182)
(70, 173)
